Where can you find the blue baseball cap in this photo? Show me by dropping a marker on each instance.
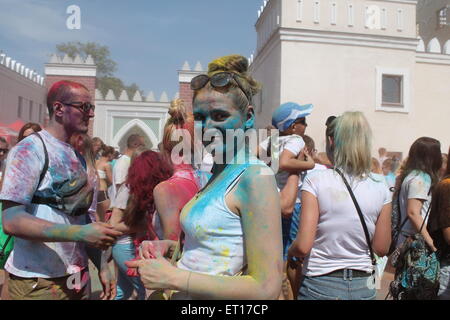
(285, 115)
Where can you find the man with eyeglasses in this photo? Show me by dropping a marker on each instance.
(45, 196)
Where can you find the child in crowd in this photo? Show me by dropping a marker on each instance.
(290, 120)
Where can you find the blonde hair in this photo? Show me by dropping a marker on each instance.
(179, 119)
(238, 65)
(353, 144)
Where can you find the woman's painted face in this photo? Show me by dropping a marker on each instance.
(218, 116)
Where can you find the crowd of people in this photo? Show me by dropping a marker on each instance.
(235, 227)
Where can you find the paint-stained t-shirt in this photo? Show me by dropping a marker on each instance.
(340, 241)
(416, 185)
(25, 163)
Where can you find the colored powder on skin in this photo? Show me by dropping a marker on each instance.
(225, 252)
(77, 233)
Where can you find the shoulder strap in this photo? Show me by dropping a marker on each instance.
(45, 169)
(361, 217)
(425, 219)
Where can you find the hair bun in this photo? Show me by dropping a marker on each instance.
(177, 111)
(232, 63)
(237, 64)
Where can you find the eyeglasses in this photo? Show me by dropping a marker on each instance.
(86, 107)
(4, 150)
(219, 80)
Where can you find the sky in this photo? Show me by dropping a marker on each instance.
(149, 39)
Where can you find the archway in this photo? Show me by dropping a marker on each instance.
(135, 126)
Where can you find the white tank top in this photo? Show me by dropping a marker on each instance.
(101, 174)
(214, 242)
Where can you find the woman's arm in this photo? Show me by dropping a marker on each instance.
(117, 223)
(168, 207)
(382, 237)
(288, 195)
(414, 208)
(257, 201)
(446, 233)
(306, 234)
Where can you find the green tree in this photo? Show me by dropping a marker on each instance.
(106, 66)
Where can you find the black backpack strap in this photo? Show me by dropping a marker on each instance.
(361, 217)
(46, 161)
(406, 217)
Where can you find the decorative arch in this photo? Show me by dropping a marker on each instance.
(129, 126)
(434, 46)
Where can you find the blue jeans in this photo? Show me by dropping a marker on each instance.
(444, 281)
(126, 284)
(331, 288)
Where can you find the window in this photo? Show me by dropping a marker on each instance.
(443, 17)
(19, 109)
(333, 13)
(392, 90)
(30, 115)
(399, 19)
(299, 10)
(383, 18)
(316, 11)
(351, 17)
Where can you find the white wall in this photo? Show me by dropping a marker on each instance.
(13, 85)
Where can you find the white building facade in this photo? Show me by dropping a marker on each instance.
(364, 55)
(22, 92)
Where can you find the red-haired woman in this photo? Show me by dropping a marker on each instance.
(133, 209)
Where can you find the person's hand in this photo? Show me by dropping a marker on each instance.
(294, 262)
(99, 235)
(152, 249)
(109, 284)
(305, 155)
(155, 273)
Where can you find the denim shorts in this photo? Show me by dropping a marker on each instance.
(332, 288)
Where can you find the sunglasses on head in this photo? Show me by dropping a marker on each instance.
(86, 107)
(219, 80)
(4, 150)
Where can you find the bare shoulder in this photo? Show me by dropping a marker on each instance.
(257, 178)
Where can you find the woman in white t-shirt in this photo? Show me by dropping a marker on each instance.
(331, 237)
(414, 186)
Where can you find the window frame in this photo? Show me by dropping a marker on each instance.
(405, 105)
(20, 107)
